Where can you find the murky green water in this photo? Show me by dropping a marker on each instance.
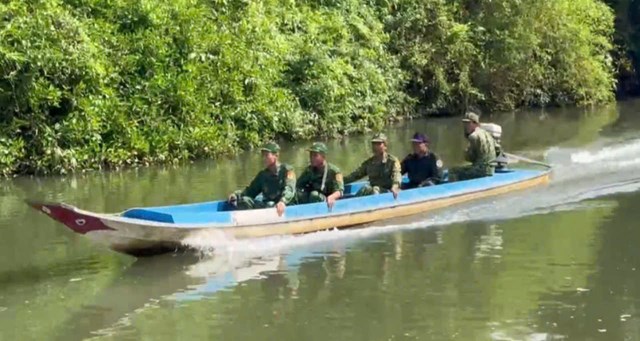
(559, 262)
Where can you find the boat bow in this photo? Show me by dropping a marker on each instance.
(75, 219)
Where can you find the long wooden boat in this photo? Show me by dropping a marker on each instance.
(153, 230)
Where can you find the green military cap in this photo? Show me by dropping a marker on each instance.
(270, 147)
(380, 137)
(471, 117)
(318, 147)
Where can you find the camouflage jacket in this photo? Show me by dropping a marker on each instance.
(384, 174)
(482, 149)
(311, 180)
(274, 187)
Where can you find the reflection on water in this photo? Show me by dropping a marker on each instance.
(482, 281)
(558, 262)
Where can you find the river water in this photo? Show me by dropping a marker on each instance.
(560, 262)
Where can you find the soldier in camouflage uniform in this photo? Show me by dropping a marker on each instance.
(481, 151)
(277, 183)
(321, 180)
(383, 170)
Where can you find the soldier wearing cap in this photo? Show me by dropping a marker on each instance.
(383, 170)
(481, 151)
(423, 167)
(276, 182)
(321, 180)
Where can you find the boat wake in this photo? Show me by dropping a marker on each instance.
(604, 168)
(603, 158)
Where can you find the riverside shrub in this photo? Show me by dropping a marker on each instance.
(91, 83)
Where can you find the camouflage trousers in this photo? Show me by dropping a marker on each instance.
(369, 190)
(469, 172)
(248, 203)
(305, 197)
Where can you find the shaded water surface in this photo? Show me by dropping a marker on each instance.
(558, 262)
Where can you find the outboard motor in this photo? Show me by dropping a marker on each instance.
(496, 131)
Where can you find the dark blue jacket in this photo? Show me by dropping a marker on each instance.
(422, 171)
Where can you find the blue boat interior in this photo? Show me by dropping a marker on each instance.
(218, 213)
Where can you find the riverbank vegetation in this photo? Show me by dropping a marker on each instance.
(627, 41)
(91, 84)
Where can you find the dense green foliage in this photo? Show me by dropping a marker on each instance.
(505, 54)
(90, 83)
(627, 40)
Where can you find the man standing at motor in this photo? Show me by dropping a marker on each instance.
(481, 151)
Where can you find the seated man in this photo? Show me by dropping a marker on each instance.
(481, 151)
(383, 170)
(423, 167)
(276, 182)
(321, 180)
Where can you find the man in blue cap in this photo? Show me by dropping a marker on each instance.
(276, 182)
(423, 167)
